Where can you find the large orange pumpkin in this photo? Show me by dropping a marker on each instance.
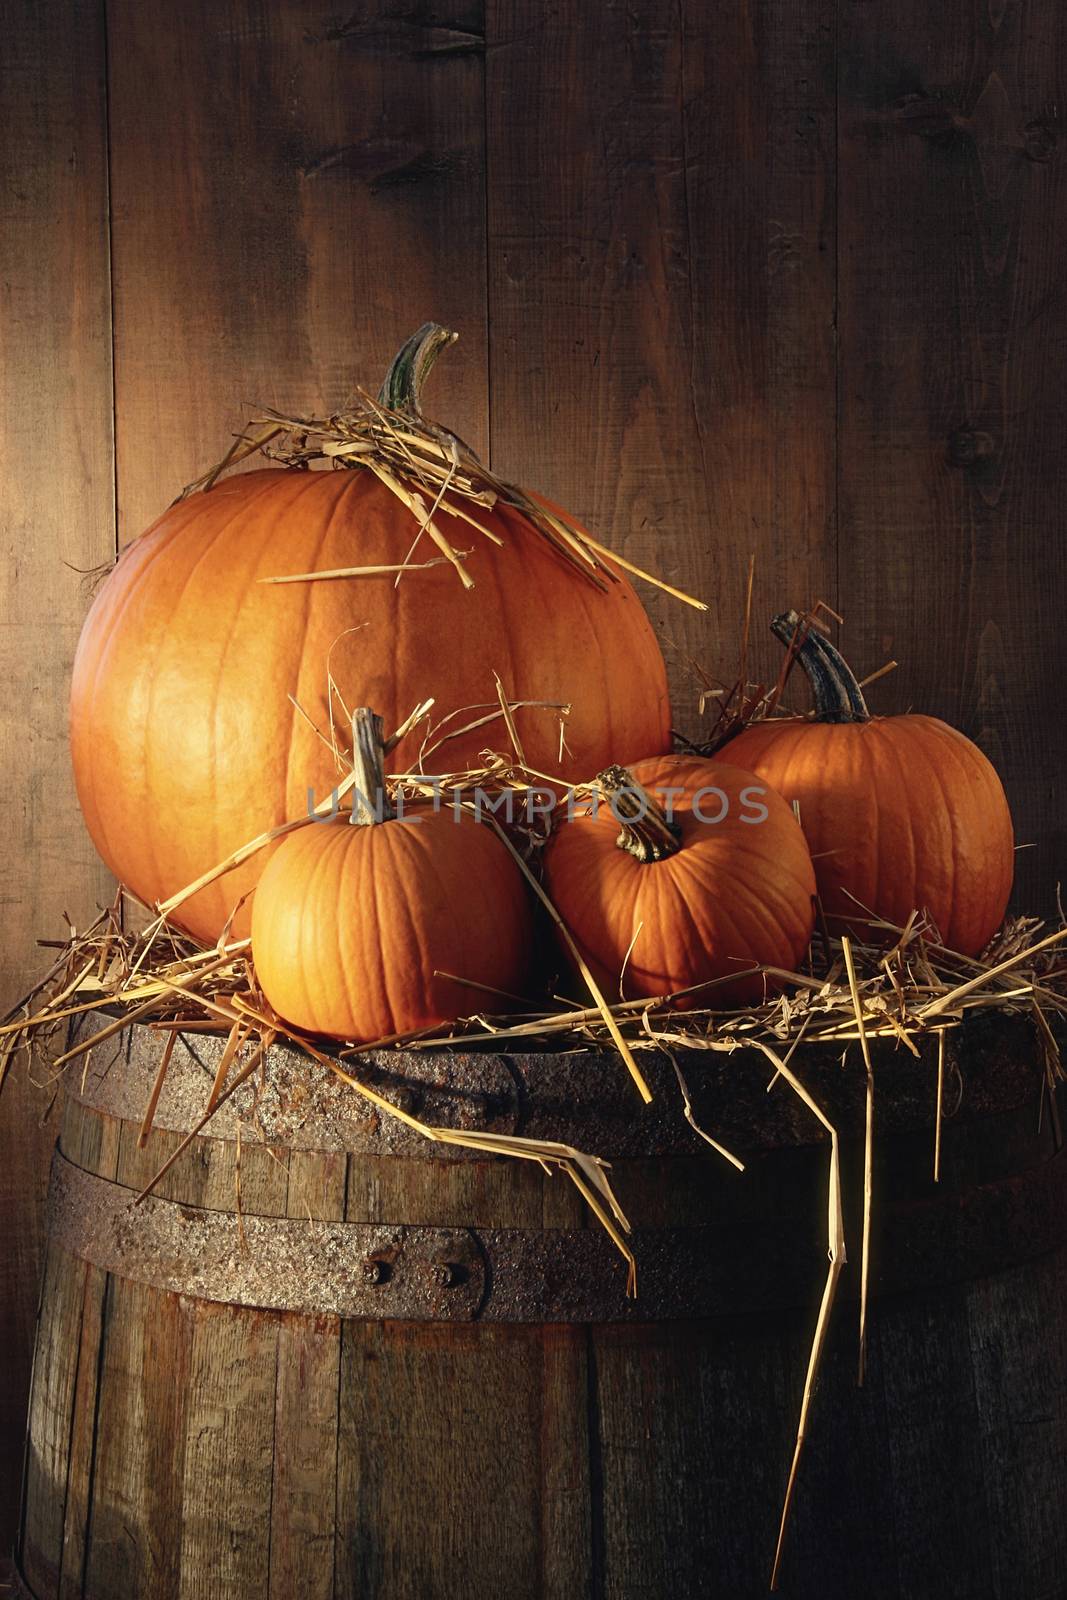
(686, 874)
(184, 742)
(362, 931)
(901, 813)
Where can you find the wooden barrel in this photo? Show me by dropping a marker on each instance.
(405, 1370)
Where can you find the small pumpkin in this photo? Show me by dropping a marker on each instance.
(696, 891)
(901, 813)
(355, 927)
(184, 743)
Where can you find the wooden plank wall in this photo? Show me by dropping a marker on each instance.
(57, 515)
(777, 277)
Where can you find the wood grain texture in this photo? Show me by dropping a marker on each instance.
(733, 277)
(56, 516)
(760, 142)
(229, 1439)
(178, 1443)
(683, 1399)
(294, 190)
(952, 231)
(1018, 1349)
(303, 1514)
(932, 1416)
(566, 1498)
(443, 1496)
(459, 1193)
(208, 1174)
(55, 1382)
(661, 296)
(82, 1456)
(136, 1487)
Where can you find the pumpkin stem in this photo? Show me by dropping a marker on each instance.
(834, 689)
(646, 833)
(402, 389)
(370, 800)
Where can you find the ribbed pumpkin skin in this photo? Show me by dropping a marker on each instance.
(903, 813)
(184, 743)
(736, 893)
(350, 922)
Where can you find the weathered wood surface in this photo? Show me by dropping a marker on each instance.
(952, 227)
(175, 1439)
(323, 174)
(778, 279)
(661, 297)
(56, 522)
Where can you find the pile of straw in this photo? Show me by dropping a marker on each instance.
(900, 982)
(903, 984)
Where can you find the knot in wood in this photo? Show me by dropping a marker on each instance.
(1039, 141)
(968, 446)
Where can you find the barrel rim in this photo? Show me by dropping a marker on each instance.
(583, 1098)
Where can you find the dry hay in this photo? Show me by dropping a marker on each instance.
(883, 981)
(432, 473)
(898, 982)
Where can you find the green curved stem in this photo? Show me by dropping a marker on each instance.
(645, 831)
(402, 389)
(834, 689)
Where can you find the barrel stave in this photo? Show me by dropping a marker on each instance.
(182, 1447)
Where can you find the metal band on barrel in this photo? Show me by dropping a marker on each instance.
(398, 1272)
